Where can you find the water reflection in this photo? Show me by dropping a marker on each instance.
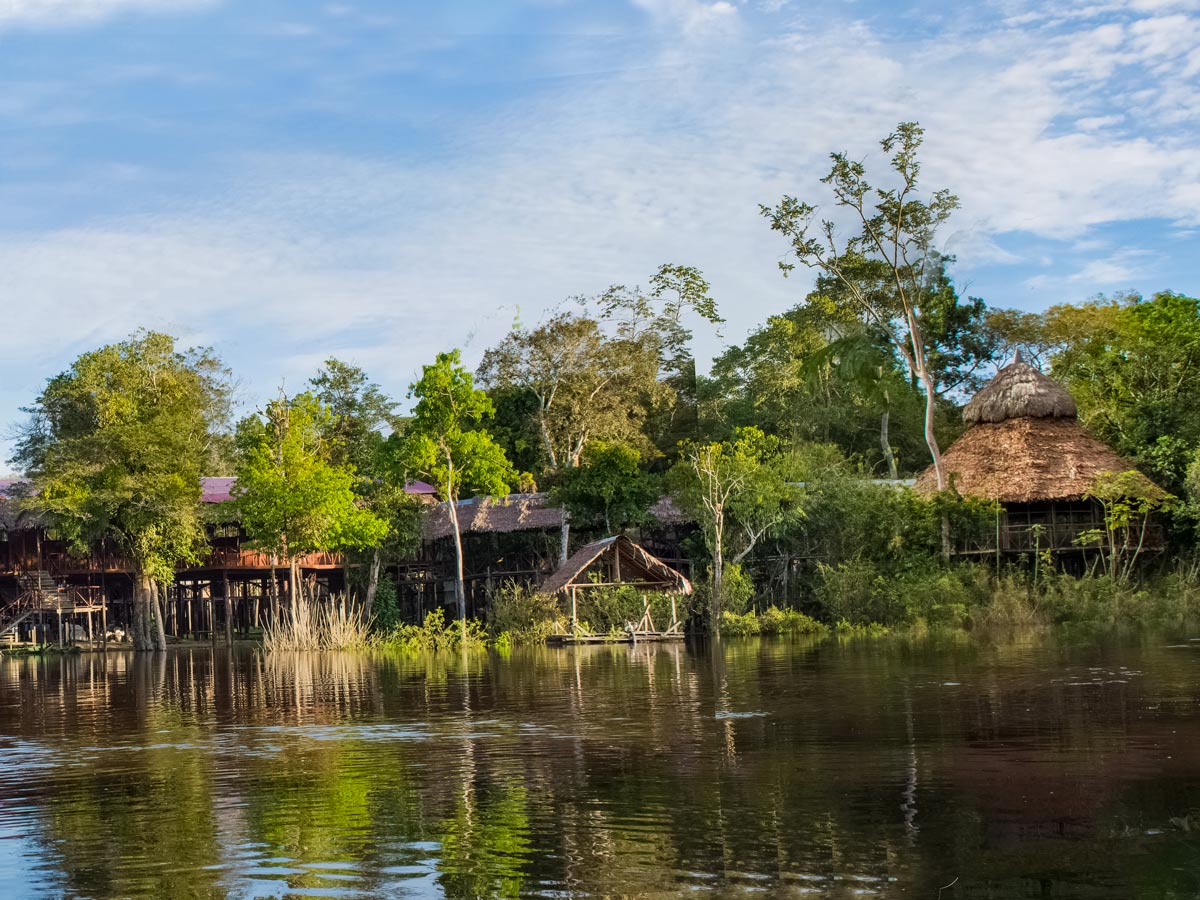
(1034, 769)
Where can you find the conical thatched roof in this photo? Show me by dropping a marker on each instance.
(1025, 444)
(1020, 391)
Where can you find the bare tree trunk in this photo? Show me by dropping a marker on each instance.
(460, 593)
(930, 438)
(931, 442)
(564, 539)
(294, 585)
(372, 582)
(886, 444)
(274, 595)
(718, 573)
(228, 609)
(160, 636)
(142, 626)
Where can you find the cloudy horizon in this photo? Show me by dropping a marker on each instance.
(380, 182)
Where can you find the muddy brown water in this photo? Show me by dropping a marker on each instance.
(1045, 767)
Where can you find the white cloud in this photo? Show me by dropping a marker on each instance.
(693, 16)
(1040, 131)
(58, 13)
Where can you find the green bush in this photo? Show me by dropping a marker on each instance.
(608, 609)
(772, 621)
(734, 625)
(385, 615)
(434, 634)
(523, 614)
(855, 591)
(861, 592)
(737, 590)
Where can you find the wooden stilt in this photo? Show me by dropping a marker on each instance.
(228, 607)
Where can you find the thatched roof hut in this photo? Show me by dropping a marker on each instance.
(494, 515)
(625, 562)
(1025, 444)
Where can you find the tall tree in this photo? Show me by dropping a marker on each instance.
(583, 384)
(114, 450)
(886, 264)
(601, 375)
(293, 497)
(360, 414)
(580, 385)
(737, 490)
(1133, 366)
(655, 327)
(359, 417)
(608, 489)
(446, 444)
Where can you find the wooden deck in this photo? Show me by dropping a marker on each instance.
(636, 637)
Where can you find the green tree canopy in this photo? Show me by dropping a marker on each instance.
(293, 497)
(737, 490)
(446, 444)
(608, 489)
(114, 450)
(360, 414)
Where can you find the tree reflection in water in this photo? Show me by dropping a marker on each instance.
(889, 767)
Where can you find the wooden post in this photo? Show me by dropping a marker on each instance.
(574, 614)
(228, 607)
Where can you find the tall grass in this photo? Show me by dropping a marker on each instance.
(309, 625)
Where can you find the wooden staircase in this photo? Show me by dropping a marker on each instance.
(39, 592)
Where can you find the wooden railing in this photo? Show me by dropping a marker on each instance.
(64, 565)
(1058, 537)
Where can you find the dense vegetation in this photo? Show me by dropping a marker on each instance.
(785, 455)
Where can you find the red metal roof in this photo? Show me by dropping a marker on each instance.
(216, 490)
(219, 490)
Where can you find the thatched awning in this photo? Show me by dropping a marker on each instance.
(499, 515)
(1027, 460)
(635, 564)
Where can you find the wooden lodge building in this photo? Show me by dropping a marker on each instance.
(70, 597)
(84, 597)
(1025, 448)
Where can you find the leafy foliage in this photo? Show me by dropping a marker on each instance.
(608, 489)
(446, 444)
(115, 447)
(737, 491)
(293, 497)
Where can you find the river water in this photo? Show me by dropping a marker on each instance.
(951, 767)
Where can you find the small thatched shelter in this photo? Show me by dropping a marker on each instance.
(617, 561)
(621, 562)
(1025, 448)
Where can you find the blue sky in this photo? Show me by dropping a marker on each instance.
(379, 181)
